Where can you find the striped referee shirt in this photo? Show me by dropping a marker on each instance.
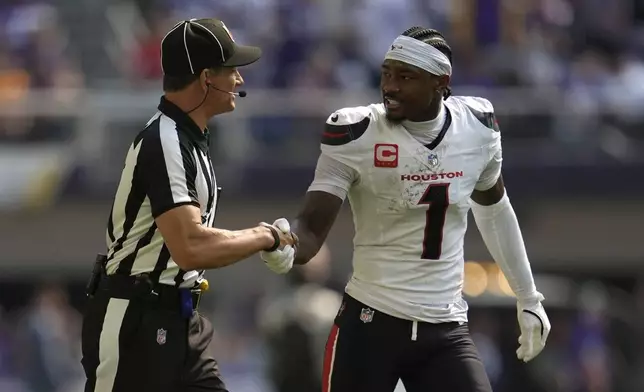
(167, 165)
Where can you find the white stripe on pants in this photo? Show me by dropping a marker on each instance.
(108, 349)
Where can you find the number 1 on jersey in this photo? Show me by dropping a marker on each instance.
(437, 197)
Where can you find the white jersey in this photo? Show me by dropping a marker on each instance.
(410, 202)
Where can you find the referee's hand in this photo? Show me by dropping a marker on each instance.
(281, 231)
(281, 256)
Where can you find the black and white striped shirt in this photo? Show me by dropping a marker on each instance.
(167, 165)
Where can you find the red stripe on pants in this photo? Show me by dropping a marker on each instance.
(329, 357)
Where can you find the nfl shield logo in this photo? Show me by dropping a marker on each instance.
(161, 336)
(432, 160)
(366, 315)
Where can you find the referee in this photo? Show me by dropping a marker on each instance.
(141, 331)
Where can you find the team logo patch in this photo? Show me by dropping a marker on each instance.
(385, 155)
(366, 315)
(161, 336)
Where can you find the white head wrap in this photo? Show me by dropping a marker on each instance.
(417, 53)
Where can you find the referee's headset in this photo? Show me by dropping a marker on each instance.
(240, 94)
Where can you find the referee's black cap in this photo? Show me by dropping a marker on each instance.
(196, 44)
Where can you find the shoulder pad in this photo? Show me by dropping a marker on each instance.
(482, 109)
(346, 125)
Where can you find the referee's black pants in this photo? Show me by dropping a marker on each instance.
(136, 341)
(371, 351)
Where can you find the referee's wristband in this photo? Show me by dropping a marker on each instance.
(276, 238)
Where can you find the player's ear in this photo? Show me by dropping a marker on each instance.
(442, 83)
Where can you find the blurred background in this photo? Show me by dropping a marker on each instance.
(78, 79)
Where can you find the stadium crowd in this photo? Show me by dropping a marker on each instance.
(589, 50)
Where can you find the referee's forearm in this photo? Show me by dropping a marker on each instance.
(216, 248)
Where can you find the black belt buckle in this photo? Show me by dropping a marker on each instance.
(98, 272)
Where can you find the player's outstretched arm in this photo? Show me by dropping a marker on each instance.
(309, 230)
(335, 174)
(500, 230)
(313, 223)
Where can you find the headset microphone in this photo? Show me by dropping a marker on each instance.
(240, 94)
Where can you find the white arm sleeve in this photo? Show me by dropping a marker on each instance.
(500, 230)
(333, 176)
(492, 171)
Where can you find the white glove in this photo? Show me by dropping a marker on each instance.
(280, 261)
(535, 328)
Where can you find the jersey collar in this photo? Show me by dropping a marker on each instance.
(443, 131)
(185, 124)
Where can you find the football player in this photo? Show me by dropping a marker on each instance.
(412, 168)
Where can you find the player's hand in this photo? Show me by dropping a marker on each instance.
(281, 260)
(535, 328)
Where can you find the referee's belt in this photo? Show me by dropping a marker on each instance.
(141, 288)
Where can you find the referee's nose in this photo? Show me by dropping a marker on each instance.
(238, 78)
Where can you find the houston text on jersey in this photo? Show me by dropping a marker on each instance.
(430, 177)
